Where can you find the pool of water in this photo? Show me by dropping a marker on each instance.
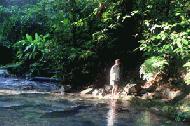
(30, 103)
(48, 110)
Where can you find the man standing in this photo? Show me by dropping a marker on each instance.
(115, 77)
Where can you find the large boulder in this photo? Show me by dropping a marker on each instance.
(131, 88)
(108, 89)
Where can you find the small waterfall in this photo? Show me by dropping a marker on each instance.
(8, 82)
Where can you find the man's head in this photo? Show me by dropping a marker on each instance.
(117, 61)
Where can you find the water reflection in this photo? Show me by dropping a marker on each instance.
(111, 116)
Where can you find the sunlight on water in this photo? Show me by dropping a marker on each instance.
(111, 113)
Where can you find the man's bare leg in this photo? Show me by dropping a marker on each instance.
(115, 90)
(112, 91)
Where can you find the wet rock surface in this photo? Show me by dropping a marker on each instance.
(21, 84)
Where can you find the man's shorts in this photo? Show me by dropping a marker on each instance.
(113, 82)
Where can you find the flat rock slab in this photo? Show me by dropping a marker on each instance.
(86, 91)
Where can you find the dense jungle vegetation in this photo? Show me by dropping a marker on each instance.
(78, 40)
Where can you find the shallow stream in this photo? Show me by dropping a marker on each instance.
(45, 109)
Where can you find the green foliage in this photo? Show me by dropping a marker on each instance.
(32, 50)
(179, 112)
(165, 39)
(152, 66)
(182, 111)
(16, 21)
(81, 32)
(187, 76)
(165, 31)
(85, 36)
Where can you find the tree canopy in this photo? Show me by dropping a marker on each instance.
(81, 38)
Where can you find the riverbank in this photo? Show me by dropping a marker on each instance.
(167, 100)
